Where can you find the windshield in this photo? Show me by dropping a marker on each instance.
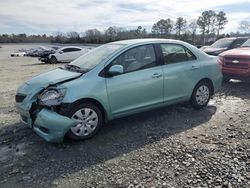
(222, 43)
(92, 58)
(246, 44)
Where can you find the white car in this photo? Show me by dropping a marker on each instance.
(20, 52)
(67, 54)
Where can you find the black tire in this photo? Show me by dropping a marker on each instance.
(53, 60)
(196, 103)
(93, 107)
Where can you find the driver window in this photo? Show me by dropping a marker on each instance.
(138, 58)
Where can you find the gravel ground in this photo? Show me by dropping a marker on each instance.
(175, 146)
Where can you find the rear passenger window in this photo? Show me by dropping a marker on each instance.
(174, 53)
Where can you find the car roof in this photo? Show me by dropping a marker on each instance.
(137, 42)
(148, 41)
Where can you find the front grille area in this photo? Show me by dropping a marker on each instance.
(20, 98)
(234, 62)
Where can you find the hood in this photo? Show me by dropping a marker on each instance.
(243, 52)
(214, 51)
(52, 77)
(210, 49)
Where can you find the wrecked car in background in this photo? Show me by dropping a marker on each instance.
(44, 56)
(115, 80)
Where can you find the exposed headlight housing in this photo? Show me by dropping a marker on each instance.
(51, 96)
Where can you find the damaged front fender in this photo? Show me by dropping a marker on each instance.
(52, 126)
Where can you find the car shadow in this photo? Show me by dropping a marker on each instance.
(46, 162)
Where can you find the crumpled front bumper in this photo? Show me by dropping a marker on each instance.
(48, 124)
(52, 126)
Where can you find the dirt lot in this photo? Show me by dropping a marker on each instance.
(175, 146)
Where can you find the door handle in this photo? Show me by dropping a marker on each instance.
(156, 75)
(194, 67)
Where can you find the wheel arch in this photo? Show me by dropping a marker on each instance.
(93, 101)
(208, 80)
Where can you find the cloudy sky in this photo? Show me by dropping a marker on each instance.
(48, 16)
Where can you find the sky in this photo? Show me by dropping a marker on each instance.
(50, 16)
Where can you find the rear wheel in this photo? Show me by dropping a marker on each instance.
(201, 95)
(53, 60)
(89, 120)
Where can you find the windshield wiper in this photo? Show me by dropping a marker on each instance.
(74, 68)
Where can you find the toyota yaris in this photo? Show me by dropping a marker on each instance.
(116, 80)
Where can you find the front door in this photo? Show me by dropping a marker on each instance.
(141, 84)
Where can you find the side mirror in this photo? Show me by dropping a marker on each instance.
(115, 70)
(60, 52)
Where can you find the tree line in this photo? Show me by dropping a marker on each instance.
(203, 30)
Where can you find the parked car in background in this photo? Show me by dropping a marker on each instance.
(32, 52)
(67, 54)
(236, 63)
(116, 80)
(16, 54)
(224, 44)
(20, 52)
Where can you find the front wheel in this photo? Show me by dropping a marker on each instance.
(89, 120)
(53, 60)
(201, 95)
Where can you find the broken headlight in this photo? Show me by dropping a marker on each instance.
(51, 96)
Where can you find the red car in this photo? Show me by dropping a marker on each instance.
(236, 63)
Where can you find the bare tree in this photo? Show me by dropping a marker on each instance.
(192, 29)
(244, 26)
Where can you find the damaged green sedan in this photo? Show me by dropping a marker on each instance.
(116, 80)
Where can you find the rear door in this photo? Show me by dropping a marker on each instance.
(180, 70)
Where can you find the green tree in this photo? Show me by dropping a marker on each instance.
(207, 22)
(162, 27)
(180, 25)
(221, 21)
